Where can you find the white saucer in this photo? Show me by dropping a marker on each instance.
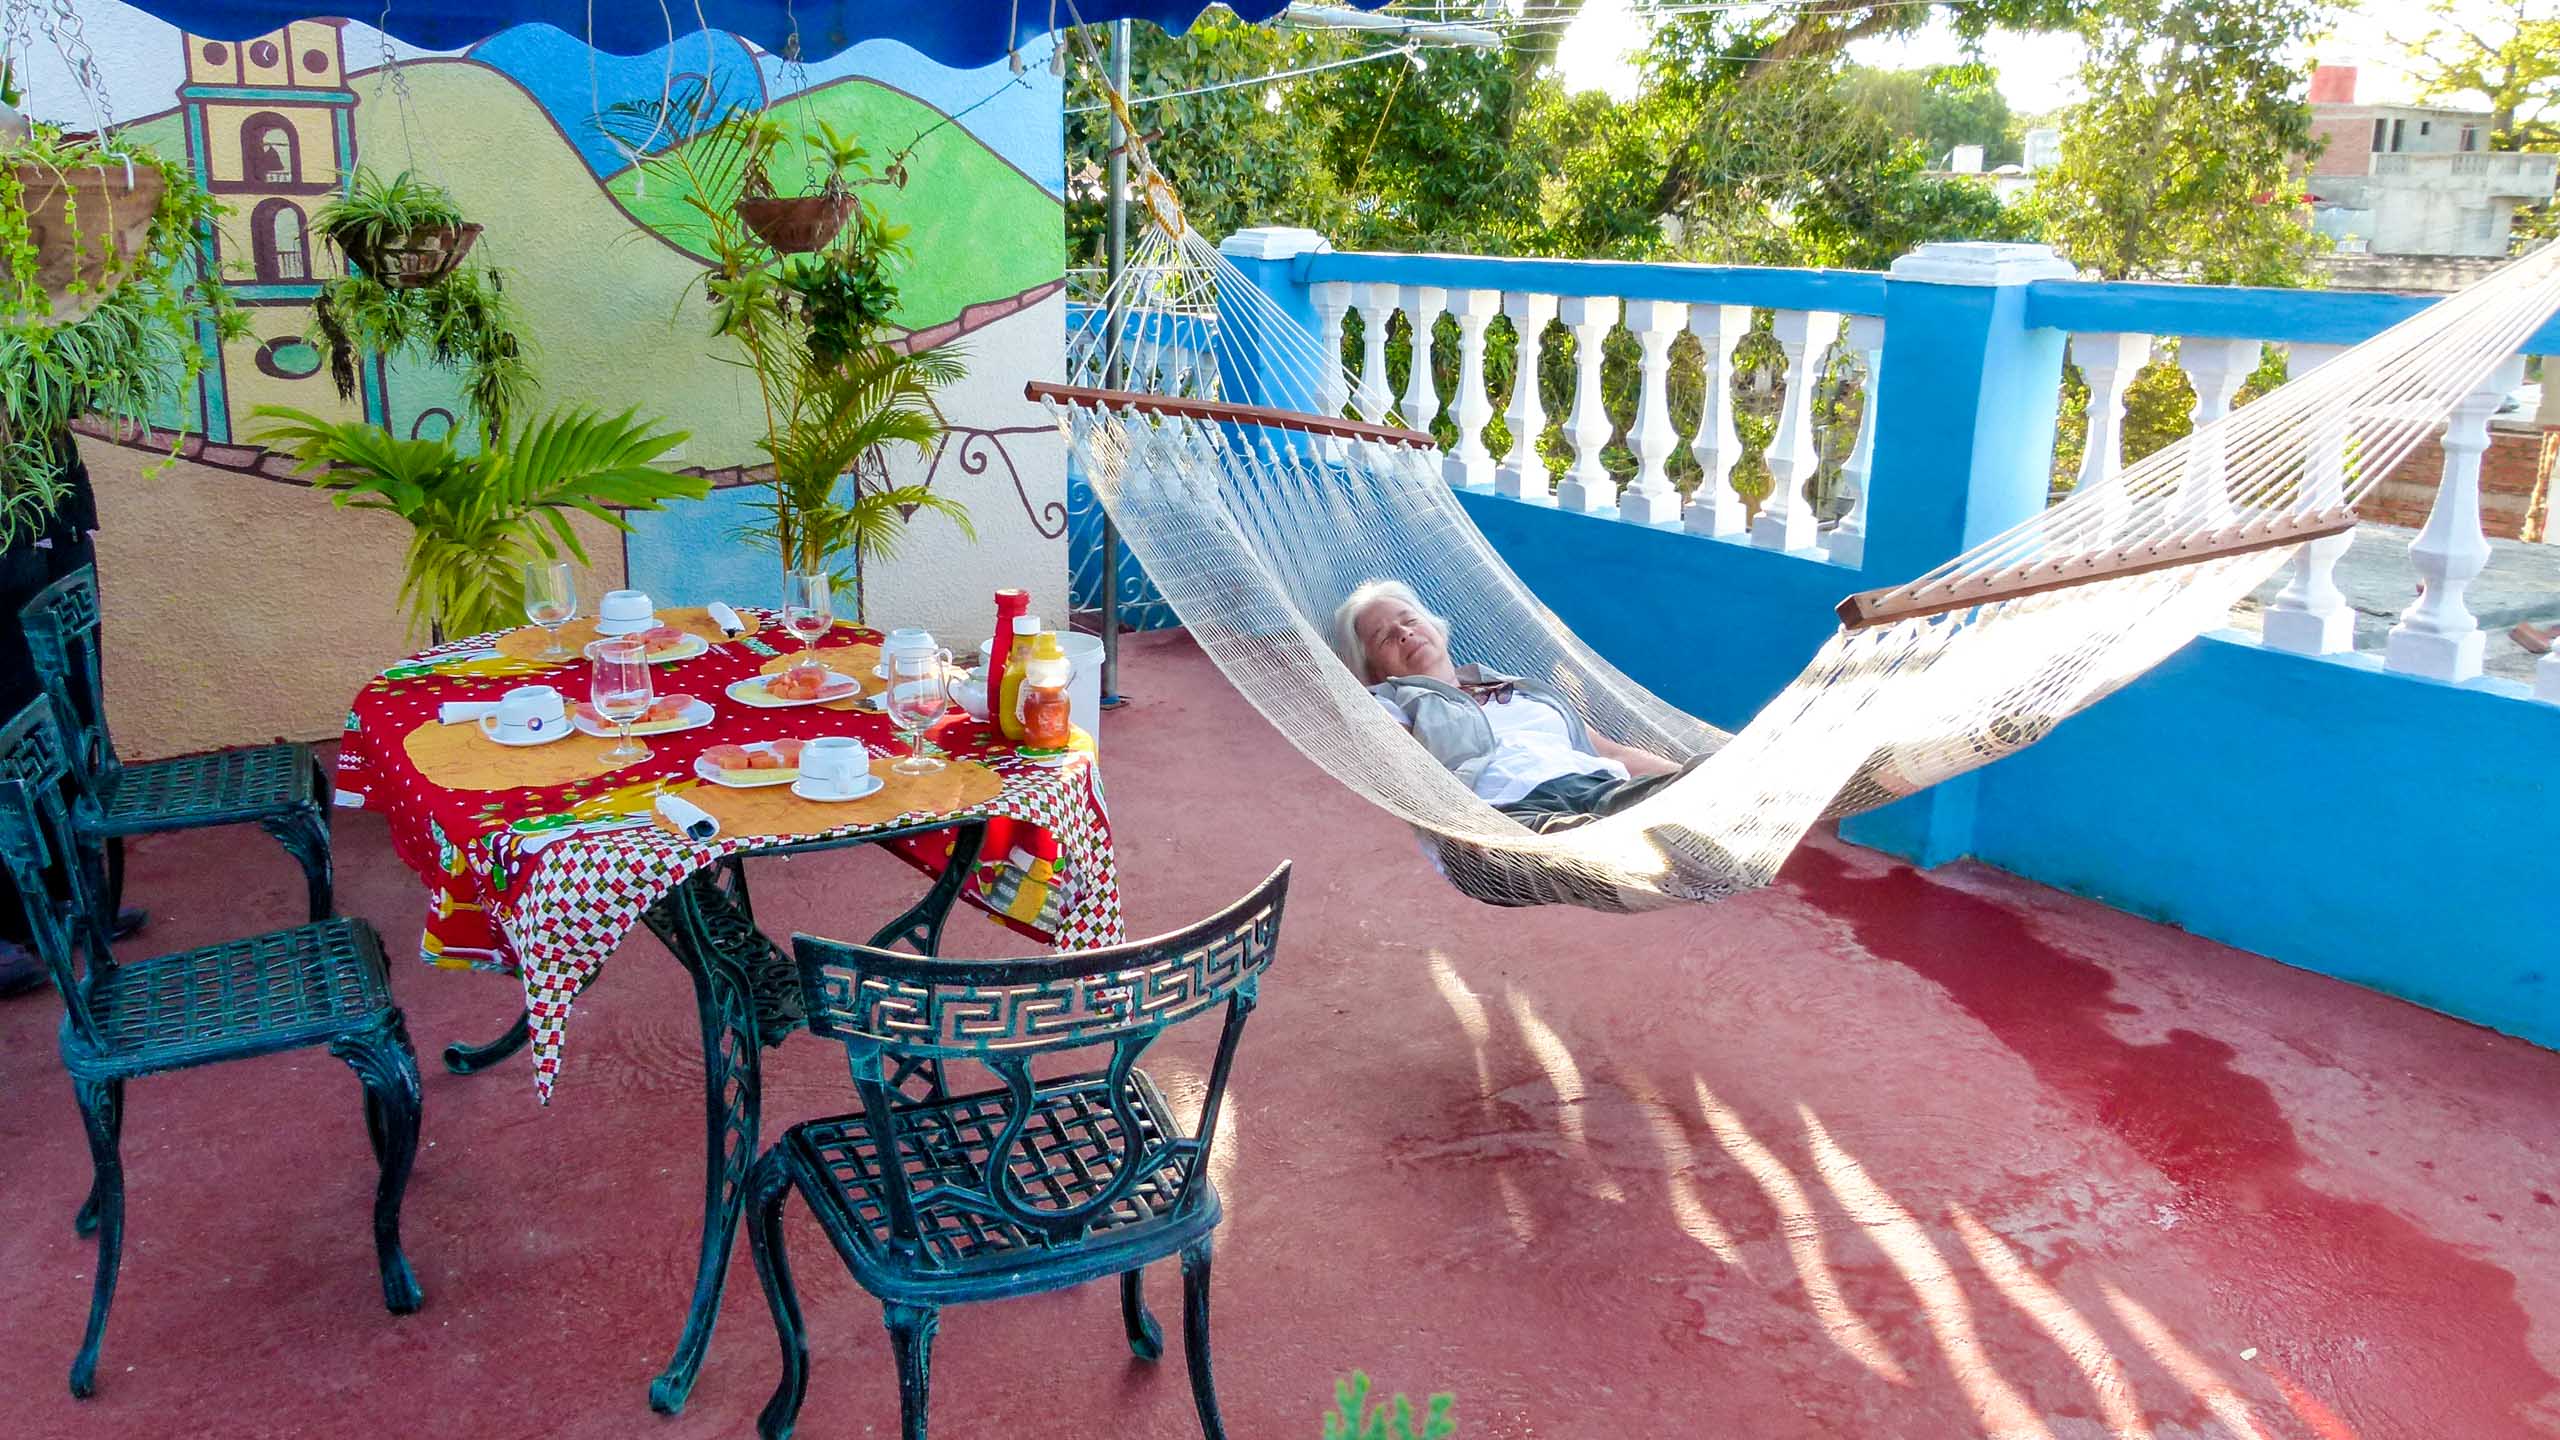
(858, 792)
(561, 730)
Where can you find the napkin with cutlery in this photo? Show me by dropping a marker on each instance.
(690, 820)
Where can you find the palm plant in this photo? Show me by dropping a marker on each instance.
(831, 494)
(478, 519)
(809, 327)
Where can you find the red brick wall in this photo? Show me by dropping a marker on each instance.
(2350, 150)
(2514, 476)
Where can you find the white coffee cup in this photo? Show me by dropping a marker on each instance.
(525, 714)
(906, 640)
(625, 612)
(834, 765)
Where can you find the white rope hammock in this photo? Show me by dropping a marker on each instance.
(1256, 527)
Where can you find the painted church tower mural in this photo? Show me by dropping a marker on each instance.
(270, 130)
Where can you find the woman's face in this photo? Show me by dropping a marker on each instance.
(1399, 640)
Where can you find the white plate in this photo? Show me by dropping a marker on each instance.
(687, 648)
(751, 691)
(743, 779)
(542, 738)
(858, 792)
(693, 717)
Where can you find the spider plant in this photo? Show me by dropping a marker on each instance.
(375, 213)
(476, 520)
(464, 320)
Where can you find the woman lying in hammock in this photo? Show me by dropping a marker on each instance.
(1515, 742)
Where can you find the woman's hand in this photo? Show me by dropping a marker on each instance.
(1639, 763)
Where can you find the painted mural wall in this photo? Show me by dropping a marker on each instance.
(596, 257)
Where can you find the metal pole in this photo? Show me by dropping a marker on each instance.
(1115, 259)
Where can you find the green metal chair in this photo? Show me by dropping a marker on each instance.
(1030, 1186)
(315, 985)
(279, 787)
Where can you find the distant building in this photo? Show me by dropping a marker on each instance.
(2415, 179)
(2044, 148)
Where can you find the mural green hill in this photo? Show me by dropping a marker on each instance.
(958, 192)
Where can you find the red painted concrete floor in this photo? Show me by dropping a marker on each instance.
(1873, 1153)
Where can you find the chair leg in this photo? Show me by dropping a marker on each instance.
(86, 1222)
(305, 836)
(1195, 1337)
(911, 1330)
(770, 1188)
(100, 1102)
(115, 874)
(383, 1061)
(1146, 1339)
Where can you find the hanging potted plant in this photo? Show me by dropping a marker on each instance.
(403, 233)
(100, 299)
(797, 224)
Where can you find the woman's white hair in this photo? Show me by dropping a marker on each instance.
(1346, 622)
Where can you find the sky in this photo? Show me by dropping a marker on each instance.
(2037, 72)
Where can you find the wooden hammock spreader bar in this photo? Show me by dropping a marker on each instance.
(1094, 397)
(1870, 608)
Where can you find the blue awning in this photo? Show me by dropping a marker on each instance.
(963, 33)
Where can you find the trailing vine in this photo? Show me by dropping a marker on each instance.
(133, 357)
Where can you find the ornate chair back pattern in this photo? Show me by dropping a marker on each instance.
(891, 1010)
(62, 634)
(56, 874)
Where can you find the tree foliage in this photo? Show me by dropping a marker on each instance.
(2187, 158)
(2507, 50)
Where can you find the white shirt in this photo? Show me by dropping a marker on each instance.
(1532, 745)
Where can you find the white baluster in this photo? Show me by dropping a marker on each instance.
(1848, 543)
(1470, 467)
(1786, 522)
(1588, 487)
(1422, 307)
(2310, 615)
(1377, 310)
(1650, 497)
(1715, 509)
(2217, 369)
(1332, 299)
(2438, 636)
(2108, 360)
(1524, 474)
(2546, 677)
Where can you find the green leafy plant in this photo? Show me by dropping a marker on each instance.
(374, 213)
(464, 320)
(837, 397)
(131, 348)
(478, 519)
(1354, 1419)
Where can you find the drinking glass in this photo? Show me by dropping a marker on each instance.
(919, 691)
(808, 612)
(623, 691)
(550, 601)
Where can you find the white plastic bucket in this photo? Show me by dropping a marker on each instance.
(1084, 692)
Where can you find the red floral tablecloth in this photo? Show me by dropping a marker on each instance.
(545, 880)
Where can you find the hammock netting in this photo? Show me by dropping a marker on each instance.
(1255, 531)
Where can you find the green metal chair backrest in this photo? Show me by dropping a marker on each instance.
(61, 623)
(892, 1011)
(55, 871)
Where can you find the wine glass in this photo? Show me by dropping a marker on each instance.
(550, 601)
(919, 691)
(623, 691)
(808, 612)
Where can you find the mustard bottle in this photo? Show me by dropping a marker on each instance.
(1008, 695)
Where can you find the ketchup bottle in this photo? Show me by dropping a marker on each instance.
(1009, 603)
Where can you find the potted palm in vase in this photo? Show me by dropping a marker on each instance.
(478, 519)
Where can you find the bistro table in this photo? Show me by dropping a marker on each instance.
(539, 861)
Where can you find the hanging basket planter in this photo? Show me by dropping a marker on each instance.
(414, 258)
(90, 225)
(796, 224)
